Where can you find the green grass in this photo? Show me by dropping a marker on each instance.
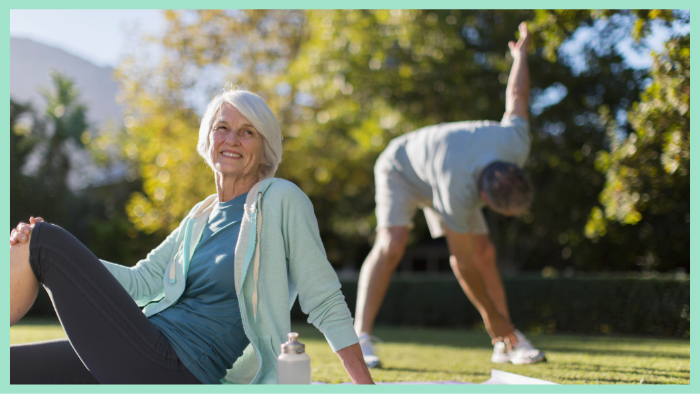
(420, 354)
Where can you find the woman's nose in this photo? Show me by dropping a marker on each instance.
(232, 138)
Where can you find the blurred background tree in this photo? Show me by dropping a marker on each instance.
(22, 142)
(642, 218)
(45, 151)
(610, 151)
(46, 143)
(200, 52)
(648, 171)
(366, 76)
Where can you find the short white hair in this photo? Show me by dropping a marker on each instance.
(254, 109)
(507, 186)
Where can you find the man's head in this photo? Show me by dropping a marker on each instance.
(505, 188)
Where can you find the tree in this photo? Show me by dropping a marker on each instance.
(66, 120)
(249, 47)
(344, 82)
(376, 74)
(645, 215)
(648, 171)
(54, 137)
(22, 142)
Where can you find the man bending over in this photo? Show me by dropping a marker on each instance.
(451, 171)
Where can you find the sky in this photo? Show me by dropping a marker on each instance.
(76, 31)
(100, 36)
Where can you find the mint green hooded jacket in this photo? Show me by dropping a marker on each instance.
(278, 255)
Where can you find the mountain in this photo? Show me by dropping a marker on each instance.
(30, 65)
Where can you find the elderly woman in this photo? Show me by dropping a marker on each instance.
(216, 293)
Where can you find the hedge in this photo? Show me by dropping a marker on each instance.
(659, 307)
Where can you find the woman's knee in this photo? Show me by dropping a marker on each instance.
(19, 253)
(50, 244)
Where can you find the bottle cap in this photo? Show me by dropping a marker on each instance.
(292, 346)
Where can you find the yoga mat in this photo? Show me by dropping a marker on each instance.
(497, 377)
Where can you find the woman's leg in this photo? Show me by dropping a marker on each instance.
(23, 283)
(111, 336)
(48, 362)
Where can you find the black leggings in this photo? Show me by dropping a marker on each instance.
(110, 340)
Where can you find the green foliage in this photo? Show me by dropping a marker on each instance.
(66, 118)
(94, 214)
(590, 305)
(23, 140)
(648, 171)
(57, 134)
(344, 82)
(248, 47)
(595, 98)
(554, 27)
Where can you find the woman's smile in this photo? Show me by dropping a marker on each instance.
(231, 155)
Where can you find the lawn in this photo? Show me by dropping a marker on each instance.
(421, 354)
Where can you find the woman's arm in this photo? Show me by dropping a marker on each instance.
(320, 295)
(144, 281)
(354, 363)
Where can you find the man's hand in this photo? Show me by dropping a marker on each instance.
(500, 330)
(519, 49)
(23, 231)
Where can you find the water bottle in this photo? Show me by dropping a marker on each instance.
(293, 365)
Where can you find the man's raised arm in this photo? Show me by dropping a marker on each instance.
(518, 89)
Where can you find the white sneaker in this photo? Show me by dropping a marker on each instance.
(371, 359)
(522, 353)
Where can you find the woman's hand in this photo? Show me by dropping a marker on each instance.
(354, 364)
(23, 231)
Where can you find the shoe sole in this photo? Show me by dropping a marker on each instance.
(508, 360)
(504, 360)
(376, 365)
(529, 360)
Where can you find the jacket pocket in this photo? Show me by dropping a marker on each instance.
(269, 351)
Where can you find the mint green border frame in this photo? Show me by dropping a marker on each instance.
(693, 387)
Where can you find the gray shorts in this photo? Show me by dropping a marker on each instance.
(397, 201)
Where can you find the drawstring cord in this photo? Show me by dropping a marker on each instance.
(256, 265)
(188, 233)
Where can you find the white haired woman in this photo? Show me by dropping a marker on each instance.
(215, 294)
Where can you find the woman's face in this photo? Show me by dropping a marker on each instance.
(235, 145)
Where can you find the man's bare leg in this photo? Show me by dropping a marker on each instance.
(24, 286)
(469, 278)
(375, 275)
(484, 258)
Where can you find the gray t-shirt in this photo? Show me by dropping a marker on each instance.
(444, 162)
